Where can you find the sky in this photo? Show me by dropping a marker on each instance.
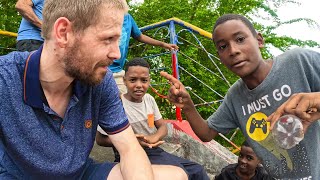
(301, 30)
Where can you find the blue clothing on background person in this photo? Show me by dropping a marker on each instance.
(35, 139)
(27, 30)
(129, 28)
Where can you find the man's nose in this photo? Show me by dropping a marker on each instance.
(114, 53)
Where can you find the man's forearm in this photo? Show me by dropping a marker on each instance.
(26, 11)
(134, 162)
(136, 157)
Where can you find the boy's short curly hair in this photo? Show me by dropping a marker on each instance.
(136, 62)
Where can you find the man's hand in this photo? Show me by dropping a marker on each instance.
(178, 95)
(148, 141)
(306, 106)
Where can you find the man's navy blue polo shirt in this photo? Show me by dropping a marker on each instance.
(37, 143)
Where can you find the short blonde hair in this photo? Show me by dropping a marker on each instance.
(82, 13)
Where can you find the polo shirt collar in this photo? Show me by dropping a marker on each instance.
(32, 90)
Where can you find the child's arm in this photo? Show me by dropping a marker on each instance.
(103, 140)
(162, 131)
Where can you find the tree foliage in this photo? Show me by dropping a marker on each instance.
(9, 21)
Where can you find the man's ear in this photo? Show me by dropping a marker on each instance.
(260, 40)
(62, 31)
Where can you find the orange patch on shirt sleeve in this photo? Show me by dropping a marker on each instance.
(151, 120)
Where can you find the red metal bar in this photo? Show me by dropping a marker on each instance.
(175, 74)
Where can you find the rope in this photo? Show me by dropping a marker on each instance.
(201, 65)
(156, 91)
(190, 89)
(208, 103)
(161, 68)
(195, 45)
(233, 144)
(155, 55)
(209, 54)
(200, 81)
(234, 134)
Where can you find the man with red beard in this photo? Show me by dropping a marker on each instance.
(53, 99)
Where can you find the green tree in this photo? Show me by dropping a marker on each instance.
(9, 21)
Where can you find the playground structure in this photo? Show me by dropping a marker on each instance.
(7, 33)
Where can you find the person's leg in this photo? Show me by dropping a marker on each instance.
(194, 170)
(28, 45)
(161, 172)
(111, 171)
(97, 171)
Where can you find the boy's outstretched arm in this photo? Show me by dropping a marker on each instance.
(179, 96)
(144, 141)
(24, 7)
(161, 132)
(148, 40)
(306, 106)
(103, 140)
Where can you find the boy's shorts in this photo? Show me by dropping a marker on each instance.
(97, 171)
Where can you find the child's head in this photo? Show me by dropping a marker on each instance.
(238, 44)
(136, 79)
(227, 17)
(247, 161)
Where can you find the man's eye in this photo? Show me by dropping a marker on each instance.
(109, 40)
(132, 80)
